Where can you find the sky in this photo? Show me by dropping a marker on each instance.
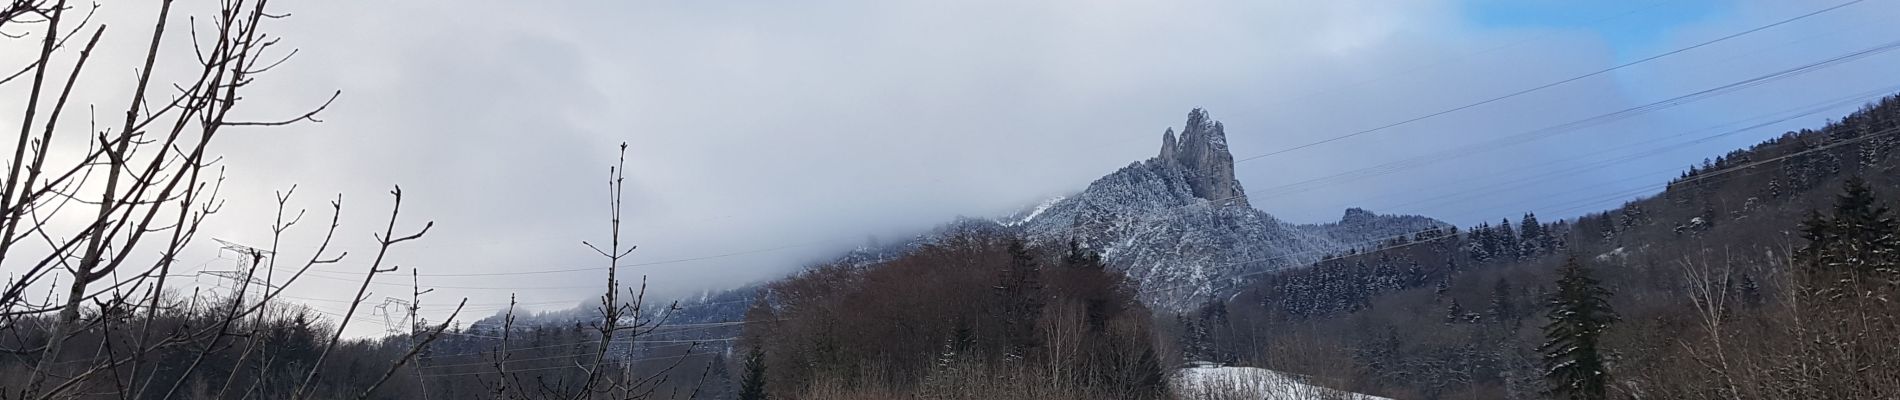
(764, 135)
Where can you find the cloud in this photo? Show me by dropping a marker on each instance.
(757, 124)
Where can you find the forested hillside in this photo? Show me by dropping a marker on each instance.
(1763, 273)
(976, 315)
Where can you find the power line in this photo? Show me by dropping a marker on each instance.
(1448, 60)
(1696, 178)
(1814, 108)
(1578, 204)
(556, 357)
(1599, 72)
(1270, 193)
(1706, 175)
(1524, 137)
(1549, 85)
(670, 343)
(616, 361)
(643, 264)
(1295, 188)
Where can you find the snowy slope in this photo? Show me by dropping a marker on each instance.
(1182, 228)
(1237, 383)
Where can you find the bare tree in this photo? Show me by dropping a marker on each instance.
(613, 310)
(141, 188)
(624, 318)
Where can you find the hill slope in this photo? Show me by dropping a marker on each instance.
(1705, 274)
(1180, 225)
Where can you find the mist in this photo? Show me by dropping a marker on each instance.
(765, 136)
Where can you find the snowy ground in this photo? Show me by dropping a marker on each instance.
(1236, 383)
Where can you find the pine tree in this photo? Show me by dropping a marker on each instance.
(1573, 357)
(1455, 313)
(1606, 229)
(1081, 258)
(752, 386)
(1864, 225)
(1020, 301)
(1194, 339)
(1751, 292)
(1214, 312)
(1501, 308)
(1506, 241)
(1480, 244)
(1533, 241)
(1855, 248)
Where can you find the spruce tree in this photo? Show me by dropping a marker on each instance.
(1081, 258)
(1867, 228)
(1533, 241)
(1019, 299)
(752, 386)
(1750, 292)
(1579, 313)
(1855, 248)
(1194, 339)
(1501, 308)
(1481, 246)
(1506, 238)
(1455, 313)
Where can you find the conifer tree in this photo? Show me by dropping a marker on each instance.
(1506, 238)
(1856, 247)
(1865, 225)
(1481, 246)
(1194, 339)
(1750, 292)
(1533, 241)
(1579, 313)
(1019, 298)
(1501, 308)
(752, 385)
(1214, 312)
(1081, 258)
(1455, 313)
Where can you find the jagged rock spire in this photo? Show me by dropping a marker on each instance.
(1202, 153)
(1167, 146)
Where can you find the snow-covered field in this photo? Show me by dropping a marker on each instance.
(1236, 383)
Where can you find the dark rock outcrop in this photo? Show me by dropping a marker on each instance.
(1181, 227)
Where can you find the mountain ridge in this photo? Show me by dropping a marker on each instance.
(1181, 220)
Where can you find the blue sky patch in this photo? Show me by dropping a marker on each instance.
(1627, 25)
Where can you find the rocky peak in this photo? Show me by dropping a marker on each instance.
(1167, 146)
(1179, 224)
(1202, 154)
(1357, 215)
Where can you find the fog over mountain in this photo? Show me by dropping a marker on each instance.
(984, 199)
(766, 135)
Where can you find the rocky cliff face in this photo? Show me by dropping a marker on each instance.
(1202, 156)
(1181, 226)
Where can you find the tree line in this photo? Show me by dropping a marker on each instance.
(1763, 273)
(96, 210)
(978, 315)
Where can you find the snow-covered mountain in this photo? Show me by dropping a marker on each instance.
(1178, 224)
(1181, 226)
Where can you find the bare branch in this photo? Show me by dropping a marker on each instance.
(308, 116)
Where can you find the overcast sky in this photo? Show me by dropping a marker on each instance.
(782, 131)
